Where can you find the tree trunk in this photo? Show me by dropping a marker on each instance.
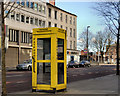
(4, 92)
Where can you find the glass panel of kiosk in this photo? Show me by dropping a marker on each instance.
(43, 53)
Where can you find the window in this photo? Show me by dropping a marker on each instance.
(61, 16)
(25, 37)
(13, 15)
(49, 12)
(27, 19)
(27, 4)
(18, 1)
(36, 21)
(55, 14)
(66, 29)
(43, 9)
(70, 20)
(22, 3)
(43, 23)
(40, 8)
(74, 44)
(40, 22)
(31, 20)
(70, 32)
(17, 17)
(31, 5)
(35, 6)
(74, 21)
(13, 35)
(66, 19)
(74, 33)
(70, 44)
(55, 25)
(49, 24)
(22, 18)
(61, 26)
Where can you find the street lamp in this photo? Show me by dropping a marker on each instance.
(87, 43)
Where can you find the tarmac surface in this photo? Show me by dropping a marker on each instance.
(101, 86)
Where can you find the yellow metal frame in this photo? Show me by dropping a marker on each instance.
(54, 33)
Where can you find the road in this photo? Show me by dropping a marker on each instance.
(21, 80)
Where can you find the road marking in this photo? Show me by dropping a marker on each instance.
(14, 76)
(20, 82)
(89, 72)
(8, 82)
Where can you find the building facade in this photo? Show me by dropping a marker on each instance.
(57, 17)
(39, 14)
(19, 25)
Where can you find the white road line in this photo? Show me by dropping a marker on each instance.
(14, 76)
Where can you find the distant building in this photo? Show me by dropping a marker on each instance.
(111, 53)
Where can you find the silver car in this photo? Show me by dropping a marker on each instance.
(26, 65)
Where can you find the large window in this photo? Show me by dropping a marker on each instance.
(49, 24)
(31, 5)
(40, 22)
(66, 18)
(55, 25)
(36, 21)
(17, 17)
(40, 8)
(13, 35)
(74, 44)
(43, 23)
(74, 33)
(61, 16)
(27, 19)
(31, 20)
(70, 44)
(27, 4)
(43, 9)
(35, 6)
(70, 20)
(22, 18)
(70, 32)
(13, 15)
(74, 21)
(22, 3)
(49, 12)
(25, 37)
(55, 14)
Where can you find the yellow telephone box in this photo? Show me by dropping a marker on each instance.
(49, 71)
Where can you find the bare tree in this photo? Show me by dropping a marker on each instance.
(10, 7)
(110, 11)
(82, 40)
(103, 38)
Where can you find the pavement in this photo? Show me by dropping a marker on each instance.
(101, 86)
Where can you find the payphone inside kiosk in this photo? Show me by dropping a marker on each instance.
(49, 59)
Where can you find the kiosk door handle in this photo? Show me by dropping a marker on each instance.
(33, 64)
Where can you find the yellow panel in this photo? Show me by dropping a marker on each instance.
(61, 86)
(52, 33)
(47, 61)
(53, 61)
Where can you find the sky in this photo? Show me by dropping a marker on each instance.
(86, 16)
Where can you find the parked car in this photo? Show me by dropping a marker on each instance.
(73, 64)
(26, 65)
(84, 63)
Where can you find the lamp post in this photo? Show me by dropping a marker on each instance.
(87, 43)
